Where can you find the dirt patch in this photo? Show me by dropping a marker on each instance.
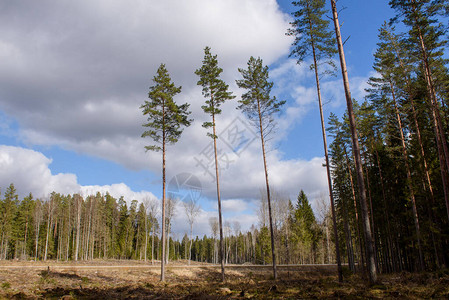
(134, 280)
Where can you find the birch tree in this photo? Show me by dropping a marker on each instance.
(192, 210)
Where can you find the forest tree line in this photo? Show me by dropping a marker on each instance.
(72, 227)
(402, 131)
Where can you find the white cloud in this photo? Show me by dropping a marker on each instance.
(88, 71)
(77, 79)
(28, 171)
(234, 206)
(73, 74)
(116, 190)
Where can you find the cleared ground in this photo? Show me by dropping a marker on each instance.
(113, 279)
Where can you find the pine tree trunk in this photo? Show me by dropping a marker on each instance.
(167, 255)
(25, 239)
(409, 178)
(386, 214)
(438, 127)
(152, 246)
(68, 235)
(48, 229)
(418, 131)
(58, 252)
(191, 240)
(146, 235)
(365, 218)
(268, 192)
(236, 250)
(328, 247)
(326, 155)
(163, 196)
(373, 228)
(222, 258)
(89, 216)
(349, 247)
(357, 223)
(78, 226)
(37, 240)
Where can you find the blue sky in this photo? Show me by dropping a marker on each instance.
(360, 21)
(73, 75)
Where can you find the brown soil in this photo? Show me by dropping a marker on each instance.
(112, 279)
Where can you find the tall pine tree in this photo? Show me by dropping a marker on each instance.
(216, 91)
(260, 107)
(371, 262)
(313, 38)
(166, 120)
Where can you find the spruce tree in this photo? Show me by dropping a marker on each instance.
(8, 207)
(23, 225)
(305, 220)
(166, 120)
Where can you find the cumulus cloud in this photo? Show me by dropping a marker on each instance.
(74, 73)
(234, 205)
(116, 190)
(29, 171)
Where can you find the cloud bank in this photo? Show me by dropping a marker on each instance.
(73, 74)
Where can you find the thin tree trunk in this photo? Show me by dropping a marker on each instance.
(415, 120)
(163, 196)
(366, 225)
(48, 228)
(89, 216)
(1, 246)
(326, 155)
(68, 234)
(287, 244)
(78, 226)
(268, 192)
(386, 215)
(236, 250)
(349, 246)
(409, 178)
(219, 202)
(25, 239)
(152, 246)
(438, 126)
(37, 240)
(167, 255)
(328, 246)
(146, 234)
(59, 250)
(191, 240)
(357, 224)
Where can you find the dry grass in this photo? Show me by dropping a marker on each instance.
(137, 280)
